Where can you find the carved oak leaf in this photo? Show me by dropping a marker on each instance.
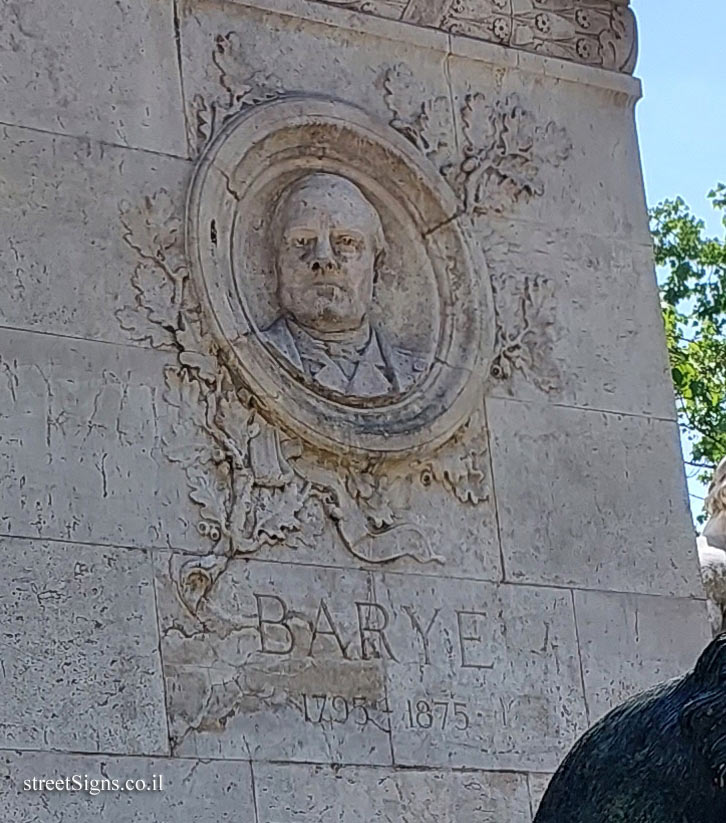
(243, 87)
(136, 321)
(477, 123)
(277, 511)
(505, 153)
(369, 491)
(455, 473)
(520, 174)
(425, 122)
(435, 125)
(518, 132)
(236, 423)
(525, 311)
(204, 116)
(258, 88)
(246, 87)
(401, 96)
(553, 144)
(156, 294)
(198, 349)
(207, 490)
(188, 443)
(155, 228)
(462, 465)
(228, 57)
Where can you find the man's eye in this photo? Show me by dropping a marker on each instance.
(300, 242)
(347, 242)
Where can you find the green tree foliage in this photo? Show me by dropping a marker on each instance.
(693, 297)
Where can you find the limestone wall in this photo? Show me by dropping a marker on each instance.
(401, 596)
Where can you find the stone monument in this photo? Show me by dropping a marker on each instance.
(341, 472)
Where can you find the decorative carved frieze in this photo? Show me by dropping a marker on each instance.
(593, 32)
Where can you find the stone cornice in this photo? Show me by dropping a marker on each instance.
(598, 33)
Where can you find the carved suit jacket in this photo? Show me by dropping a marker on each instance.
(369, 366)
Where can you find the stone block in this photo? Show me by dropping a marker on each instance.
(631, 642)
(80, 652)
(569, 157)
(70, 259)
(80, 453)
(319, 794)
(188, 790)
(95, 68)
(279, 662)
(266, 662)
(584, 319)
(304, 445)
(566, 481)
(236, 55)
(459, 534)
(480, 676)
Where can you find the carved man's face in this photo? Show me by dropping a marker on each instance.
(329, 236)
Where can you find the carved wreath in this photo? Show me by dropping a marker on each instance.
(256, 484)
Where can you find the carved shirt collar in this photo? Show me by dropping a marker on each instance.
(352, 365)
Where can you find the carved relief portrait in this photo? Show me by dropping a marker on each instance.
(329, 247)
(337, 278)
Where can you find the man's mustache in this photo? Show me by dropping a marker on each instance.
(330, 282)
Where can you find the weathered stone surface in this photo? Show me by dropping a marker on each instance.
(312, 794)
(476, 668)
(578, 524)
(557, 294)
(80, 657)
(537, 786)
(189, 790)
(564, 188)
(631, 642)
(80, 453)
(228, 67)
(232, 57)
(295, 421)
(267, 663)
(69, 257)
(461, 533)
(319, 665)
(95, 68)
(347, 388)
(600, 33)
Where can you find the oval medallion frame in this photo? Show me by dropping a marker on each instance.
(289, 138)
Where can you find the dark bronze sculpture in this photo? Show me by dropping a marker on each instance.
(658, 758)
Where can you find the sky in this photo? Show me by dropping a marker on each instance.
(682, 116)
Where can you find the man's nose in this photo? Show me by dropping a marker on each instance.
(322, 261)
